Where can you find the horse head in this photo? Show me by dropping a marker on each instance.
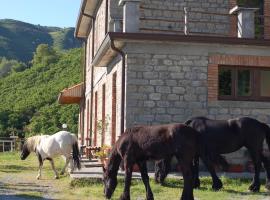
(25, 151)
(110, 183)
(29, 146)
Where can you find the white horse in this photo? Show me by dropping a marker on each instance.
(49, 146)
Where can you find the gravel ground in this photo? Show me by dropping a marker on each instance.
(13, 187)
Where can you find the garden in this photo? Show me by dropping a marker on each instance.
(18, 179)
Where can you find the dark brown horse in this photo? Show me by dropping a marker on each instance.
(226, 136)
(139, 144)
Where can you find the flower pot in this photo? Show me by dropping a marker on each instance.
(178, 168)
(136, 168)
(236, 168)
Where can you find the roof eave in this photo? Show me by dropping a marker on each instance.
(87, 16)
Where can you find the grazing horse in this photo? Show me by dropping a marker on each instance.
(139, 144)
(47, 147)
(226, 136)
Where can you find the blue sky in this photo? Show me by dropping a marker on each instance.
(61, 13)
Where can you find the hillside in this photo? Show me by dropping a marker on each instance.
(18, 40)
(29, 98)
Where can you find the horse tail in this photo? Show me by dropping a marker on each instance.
(76, 155)
(267, 134)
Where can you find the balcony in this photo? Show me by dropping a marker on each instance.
(191, 21)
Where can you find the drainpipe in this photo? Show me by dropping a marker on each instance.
(122, 54)
(92, 81)
(84, 81)
(106, 16)
(82, 105)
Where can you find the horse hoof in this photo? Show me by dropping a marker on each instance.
(196, 184)
(254, 188)
(56, 177)
(267, 186)
(217, 186)
(38, 177)
(123, 197)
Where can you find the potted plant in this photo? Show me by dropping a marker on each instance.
(103, 154)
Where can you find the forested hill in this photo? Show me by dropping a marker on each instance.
(28, 99)
(18, 40)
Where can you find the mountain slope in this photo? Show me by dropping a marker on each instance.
(29, 98)
(18, 40)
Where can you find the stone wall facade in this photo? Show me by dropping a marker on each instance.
(169, 83)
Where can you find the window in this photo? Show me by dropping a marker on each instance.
(244, 83)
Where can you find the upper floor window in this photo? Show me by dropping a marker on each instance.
(244, 83)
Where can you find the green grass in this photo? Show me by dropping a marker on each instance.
(11, 167)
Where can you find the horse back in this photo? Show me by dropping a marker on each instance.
(58, 143)
(156, 141)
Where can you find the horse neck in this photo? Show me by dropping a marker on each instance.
(113, 163)
(32, 143)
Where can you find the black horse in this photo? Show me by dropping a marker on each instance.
(139, 144)
(226, 136)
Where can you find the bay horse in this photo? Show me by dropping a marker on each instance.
(141, 143)
(47, 147)
(227, 136)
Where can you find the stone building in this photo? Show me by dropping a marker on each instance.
(156, 61)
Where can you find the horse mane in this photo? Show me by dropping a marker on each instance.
(113, 162)
(32, 142)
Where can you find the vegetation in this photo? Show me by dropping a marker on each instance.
(29, 98)
(18, 40)
(9, 66)
(20, 177)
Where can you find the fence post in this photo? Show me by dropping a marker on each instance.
(186, 20)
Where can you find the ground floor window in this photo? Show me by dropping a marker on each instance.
(243, 83)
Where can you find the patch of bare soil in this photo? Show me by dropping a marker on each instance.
(24, 186)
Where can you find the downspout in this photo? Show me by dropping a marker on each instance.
(84, 86)
(92, 81)
(106, 16)
(123, 92)
(91, 97)
(83, 101)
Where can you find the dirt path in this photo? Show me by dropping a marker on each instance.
(16, 186)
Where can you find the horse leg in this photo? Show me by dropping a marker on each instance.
(256, 158)
(217, 184)
(266, 165)
(128, 165)
(145, 178)
(65, 166)
(56, 176)
(195, 172)
(187, 193)
(40, 160)
(158, 166)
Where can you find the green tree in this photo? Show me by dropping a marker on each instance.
(44, 55)
(9, 66)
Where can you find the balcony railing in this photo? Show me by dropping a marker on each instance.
(196, 23)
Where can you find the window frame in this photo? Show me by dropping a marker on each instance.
(255, 83)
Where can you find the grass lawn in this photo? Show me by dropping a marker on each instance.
(19, 178)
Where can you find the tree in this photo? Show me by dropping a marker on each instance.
(44, 55)
(9, 66)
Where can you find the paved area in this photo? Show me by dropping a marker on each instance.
(94, 170)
